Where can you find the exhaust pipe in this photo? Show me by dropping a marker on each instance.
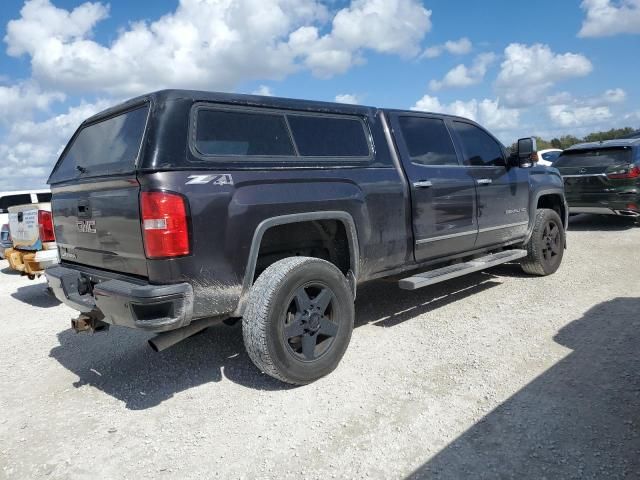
(88, 323)
(168, 339)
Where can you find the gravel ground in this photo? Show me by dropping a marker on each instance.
(495, 375)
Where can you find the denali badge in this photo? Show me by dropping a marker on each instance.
(86, 226)
(511, 211)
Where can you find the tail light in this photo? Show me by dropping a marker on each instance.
(164, 224)
(45, 225)
(625, 173)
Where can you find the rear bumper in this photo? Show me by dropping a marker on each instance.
(626, 204)
(155, 308)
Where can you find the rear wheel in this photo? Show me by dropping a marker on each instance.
(546, 245)
(299, 319)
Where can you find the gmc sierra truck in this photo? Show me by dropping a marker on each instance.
(179, 209)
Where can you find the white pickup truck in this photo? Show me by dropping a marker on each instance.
(34, 246)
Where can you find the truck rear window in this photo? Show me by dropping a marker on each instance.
(13, 200)
(107, 147)
(594, 158)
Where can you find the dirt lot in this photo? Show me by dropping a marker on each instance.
(497, 375)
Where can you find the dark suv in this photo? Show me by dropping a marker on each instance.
(179, 209)
(602, 177)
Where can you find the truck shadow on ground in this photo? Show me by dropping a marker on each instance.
(579, 419)
(120, 363)
(36, 295)
(601, 223)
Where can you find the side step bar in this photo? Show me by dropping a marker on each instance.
(452, 271)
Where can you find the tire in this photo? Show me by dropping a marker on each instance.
(298, 320)
(546, 245)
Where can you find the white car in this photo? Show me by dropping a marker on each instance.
(23, 197)
(549, 156)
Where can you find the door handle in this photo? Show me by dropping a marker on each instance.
(423, 184)
(484, 181)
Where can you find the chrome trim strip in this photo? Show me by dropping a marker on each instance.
(509, 225)
(461, 234)
(588, 175)
(444, 237)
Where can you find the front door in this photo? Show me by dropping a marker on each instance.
(503, 193)
(443, 194)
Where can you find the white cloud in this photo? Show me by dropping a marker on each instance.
(212, 44)
(616, 95)
(606, 18)
(263, 90)
(609, 97)
(30, 148)
(528, 72)
(463, 76)
(19, 100)
(578, 116)
(348, 98)
(487, 112)
(455, 47)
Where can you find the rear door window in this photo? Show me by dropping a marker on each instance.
(107, 147)
(595, 157)
(13, 200)
(224, 133)
(44, 197)
(428, 141)
(480, 149)
(320, 136)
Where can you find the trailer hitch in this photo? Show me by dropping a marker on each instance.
(89, 323)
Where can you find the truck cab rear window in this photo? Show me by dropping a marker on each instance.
(13, 200)
(220, 132)
(107, 147)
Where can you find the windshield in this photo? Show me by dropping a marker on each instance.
(594, 158)
(107, 147)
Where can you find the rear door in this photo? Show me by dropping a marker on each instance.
(443, 193)
(503, 193)
(95, 194)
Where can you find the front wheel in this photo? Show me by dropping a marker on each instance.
(298, 320)
(546, 245)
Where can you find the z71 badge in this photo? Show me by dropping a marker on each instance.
(220, 179)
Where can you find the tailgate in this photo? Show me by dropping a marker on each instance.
(95, 193)
(98, 224)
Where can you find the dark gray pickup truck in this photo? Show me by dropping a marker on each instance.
(179, 209)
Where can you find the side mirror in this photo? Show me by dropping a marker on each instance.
(525, 156)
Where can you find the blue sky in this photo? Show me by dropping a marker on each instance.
(550, 68)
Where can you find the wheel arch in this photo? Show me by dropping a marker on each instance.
(340, 216)
(546, 198)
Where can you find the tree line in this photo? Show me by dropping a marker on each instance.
(566, 141)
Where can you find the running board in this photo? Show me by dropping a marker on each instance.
(459, 269)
